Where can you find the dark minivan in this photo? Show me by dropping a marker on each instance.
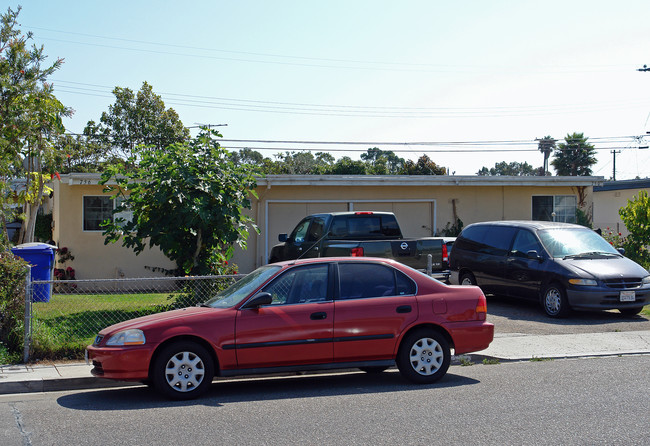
(565, 266)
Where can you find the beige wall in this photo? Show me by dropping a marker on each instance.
(93, 259)
(422, 205)
(606, 206)
(421, 211)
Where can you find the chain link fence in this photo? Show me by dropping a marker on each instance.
(64, 316)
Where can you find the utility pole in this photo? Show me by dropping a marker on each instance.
(614, 152)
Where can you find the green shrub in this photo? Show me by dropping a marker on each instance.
(13, 271)
(636, 217)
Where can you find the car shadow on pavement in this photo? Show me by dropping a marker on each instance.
(225, 392)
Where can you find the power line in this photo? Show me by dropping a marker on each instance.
(317, 62)
(347, 110)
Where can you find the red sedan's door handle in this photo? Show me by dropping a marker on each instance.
(318, 315)
(404, 309)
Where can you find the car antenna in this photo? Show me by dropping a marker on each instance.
(314, 244)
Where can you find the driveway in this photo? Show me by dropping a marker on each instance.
(515, 316)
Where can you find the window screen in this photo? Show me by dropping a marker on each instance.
(96, 210)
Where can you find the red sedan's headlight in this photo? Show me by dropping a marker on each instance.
(126, 337)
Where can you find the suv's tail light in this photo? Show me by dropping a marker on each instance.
(481, 307)
(357, 252)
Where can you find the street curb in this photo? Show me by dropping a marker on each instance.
(59, 384)
(476, 359)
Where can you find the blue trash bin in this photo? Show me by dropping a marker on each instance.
(40, 256)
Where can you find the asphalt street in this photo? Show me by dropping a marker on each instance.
(588, 401)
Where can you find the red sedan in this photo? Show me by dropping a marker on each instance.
(312, 314)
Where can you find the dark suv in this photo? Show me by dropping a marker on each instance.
(564, 266)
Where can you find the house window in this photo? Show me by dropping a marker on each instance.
(560, 208)
(96, 210)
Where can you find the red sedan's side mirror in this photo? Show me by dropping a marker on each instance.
(258, 300)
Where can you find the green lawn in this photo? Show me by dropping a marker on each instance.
(63, 327)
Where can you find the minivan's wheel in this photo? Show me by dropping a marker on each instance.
(630, 311)
(424, 356)
(182, 371)
(555, 302)
(467, 278)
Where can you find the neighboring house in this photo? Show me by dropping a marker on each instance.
(424, 206)
(610, 197)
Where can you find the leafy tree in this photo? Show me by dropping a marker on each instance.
(187, 198)
(136, 120)
(636, 217)
(423, 166)
(248, 156)
(574, 157)
(30, 118)
(382, 162)
(347, 166)
(78, 154)
(300, 163)
(509, 169)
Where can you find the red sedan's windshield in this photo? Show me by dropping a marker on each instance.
(239, 290)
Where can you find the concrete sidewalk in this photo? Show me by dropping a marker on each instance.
(505, 347)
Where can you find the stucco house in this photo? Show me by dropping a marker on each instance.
(424, 205)
(610, 197)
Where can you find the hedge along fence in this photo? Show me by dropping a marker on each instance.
(77, 310)
(13, 274)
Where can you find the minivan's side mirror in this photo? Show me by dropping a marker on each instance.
(532, 254)
(258, 300)
(282, 237)
(621, 250)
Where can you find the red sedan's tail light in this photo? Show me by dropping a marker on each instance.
(357, 252)
(481, 307)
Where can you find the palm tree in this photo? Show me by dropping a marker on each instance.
(574, 157)
(546, 146)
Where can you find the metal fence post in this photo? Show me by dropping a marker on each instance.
(28, 315)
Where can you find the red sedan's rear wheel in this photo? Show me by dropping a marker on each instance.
(183, 370)
(424, 356)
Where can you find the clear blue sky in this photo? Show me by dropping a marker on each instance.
(369, 71)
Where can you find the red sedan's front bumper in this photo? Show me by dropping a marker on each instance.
(120, 363)
(471, 336)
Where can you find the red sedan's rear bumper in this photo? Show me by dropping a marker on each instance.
(120, 363)
(471, 336)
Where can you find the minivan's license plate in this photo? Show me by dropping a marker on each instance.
(627, 296)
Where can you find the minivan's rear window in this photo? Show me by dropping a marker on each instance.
(487, 239)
